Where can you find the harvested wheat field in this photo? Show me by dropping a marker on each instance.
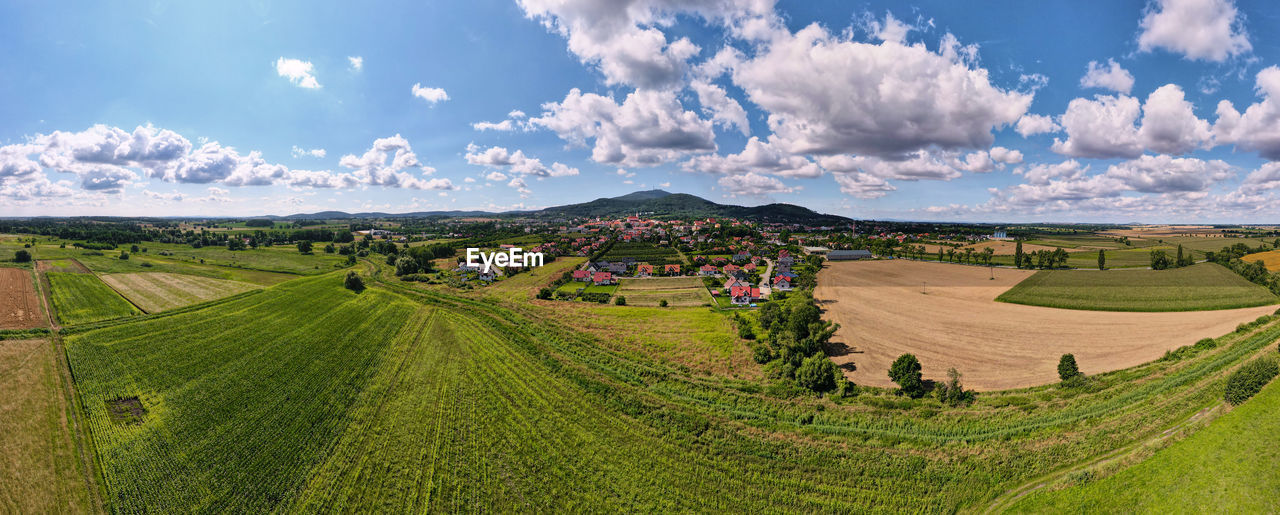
(956, 322)
(158, 291)
(19, 303)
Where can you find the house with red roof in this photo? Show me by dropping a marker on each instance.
(782, 283)
(671, 269)
(582, 275)
(602, 278)
(644, 270)
(744, 294)
(729, 269)
(707, 270)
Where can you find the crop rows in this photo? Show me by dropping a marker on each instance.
(82, 298)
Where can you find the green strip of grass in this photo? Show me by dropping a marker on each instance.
(83, 298)
(1205, 286)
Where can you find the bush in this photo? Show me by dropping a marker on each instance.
(406, 265)
(304, 247)
(1206, 343)
(544, 293)
(596, 297)
(21, 256)
(1067, 368)
(422, 278)
(353, 282)
(817, 373)
(952, 393)
(1249, 379)
(124, 255)
(662, 303)
(762, 354)
(906, 372)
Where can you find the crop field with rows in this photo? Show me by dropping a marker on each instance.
(1205, 286)
(307, 396)
(81, 298)
(643, 252)
(159, 291)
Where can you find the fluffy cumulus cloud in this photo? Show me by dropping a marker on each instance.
(357, 63)
(828, 94)
(516, 162)
(648, 128)
(1005, 156)
(302, 152)
(384, 164)
(624, 40)
(1258, 128)
(1165, 174)
(918, 166)
(722, 109)
(757, 157)
(1105, 126)
(1111, 76)
(300, 73)
(433, 96)
(752, 185)
(1209, 30)
(863, 185)
(1032, 124)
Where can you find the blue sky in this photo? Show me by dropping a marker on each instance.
(1010, 111)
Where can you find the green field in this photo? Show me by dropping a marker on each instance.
(643, 252)
(1203, 286)
(156, 291)
(677, 291)
(81, 298)
(1227, 467)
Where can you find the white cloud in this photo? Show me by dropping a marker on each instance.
(372, 168)
(517, 162)
(1266, 177)
(1165, 174)
(357, 62)
(1209, 30)
(918, 166)
(1032, 124)
(495, 176)
(649, 127)
(1111, 77)
(1005, 156)
(300, 152)
(300, 73)
(827, 94)
(863, 185)
(722, 109)
(664, 185)
(431, 95)
(1258, 128)
(469, 180)
(752, 185)
(1169, 123)
(1041, 174)
(1105, 126)
(625, 173)
(520, 186)
(756, 157)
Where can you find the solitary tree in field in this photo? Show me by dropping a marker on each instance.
(304, 247)
(1017, 255)
(1067, 369)
(21, 256)
(906, 372)
(1102, 259)
(353, 282)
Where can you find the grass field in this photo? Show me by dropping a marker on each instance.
(1228, 467)
(466, 404)
(677, 291)
(155, 291)
(1270, 258)
(39, 469)
(1205, 286)
(643, 252)
(81, 298)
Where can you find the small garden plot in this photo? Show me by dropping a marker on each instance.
(155, 291)
(643, 252)
(677, 291)
(82, 298)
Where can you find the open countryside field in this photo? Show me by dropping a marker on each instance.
(643, 252)
(81, 298)
(160, 291)
(19, 302)
(40, 471)
(1205, 286)
(284, 259)
(1227, 467)
(947, 316)
(1270, 258)
(526, 413)
(677, 291)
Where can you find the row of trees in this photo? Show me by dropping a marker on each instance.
(792, 344)
(1160, 260)
(906, 372)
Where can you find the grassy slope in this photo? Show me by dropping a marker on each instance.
(1228, 467)
(1199, 287)
(81, 298)
(161, 291)
(39, 471)
(307, 395)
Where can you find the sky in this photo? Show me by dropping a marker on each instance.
(1161, 111)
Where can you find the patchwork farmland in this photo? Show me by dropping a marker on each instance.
(81, 298)
(156, 291)
(677, 291)
(948, 316)
(19, 301)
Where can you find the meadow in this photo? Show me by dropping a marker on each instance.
(677, 291)
(307, 397)
(158, 291)
(1204, 286)
(1227, 467)
(81, 298)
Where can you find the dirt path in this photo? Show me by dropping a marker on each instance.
(948, 317)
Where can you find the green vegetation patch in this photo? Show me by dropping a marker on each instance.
(643, 252)
(1205, 286)
(1228, 467)
(83, 298)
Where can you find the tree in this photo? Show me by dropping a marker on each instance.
(543, 294)
(329, 248)
(133, 249)
(817, 373)
(952, 393)
(1017, 255)
(235, 244)
(1159, 260)
(124, 255)
(304, 247)
(906, 372)
(620, 301)
(406, 265)
(1102, 259)
(353, 282)
(662, 303)
(1067, 368)
(21, 256)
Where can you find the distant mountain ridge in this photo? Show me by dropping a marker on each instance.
(651, 202)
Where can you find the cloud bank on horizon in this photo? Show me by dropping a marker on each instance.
(1163, 111)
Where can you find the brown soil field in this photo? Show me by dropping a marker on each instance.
(1164, 231)
(948, 317)
(19, 303)
(61, 265)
